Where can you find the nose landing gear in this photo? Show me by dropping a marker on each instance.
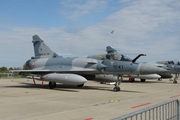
(118, 82)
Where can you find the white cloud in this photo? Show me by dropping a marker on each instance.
(74, 10)
(150, 27)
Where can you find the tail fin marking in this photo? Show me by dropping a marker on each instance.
(41, 49)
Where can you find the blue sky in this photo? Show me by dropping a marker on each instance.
(83, 27)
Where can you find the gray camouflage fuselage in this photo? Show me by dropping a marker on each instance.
(83, 65)
(49, 66)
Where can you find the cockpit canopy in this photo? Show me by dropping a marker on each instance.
(178, 63)
(174, 62)
(112, 54)
(170, 62)
(117, 56)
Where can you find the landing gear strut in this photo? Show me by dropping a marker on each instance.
(52, 85)
(175, 78)
(118, 82)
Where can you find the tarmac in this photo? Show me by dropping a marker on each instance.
(20, 99)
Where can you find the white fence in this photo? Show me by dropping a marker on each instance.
(168, 110)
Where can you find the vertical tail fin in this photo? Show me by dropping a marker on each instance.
(109, 49)
(41, 49)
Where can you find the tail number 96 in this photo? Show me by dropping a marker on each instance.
(118, 66)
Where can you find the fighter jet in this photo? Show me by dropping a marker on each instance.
(173, 68)
(113, 54)
(46, 65)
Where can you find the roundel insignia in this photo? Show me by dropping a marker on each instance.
(112, 62)
(33, 64)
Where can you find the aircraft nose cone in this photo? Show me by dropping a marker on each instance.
(147, 68)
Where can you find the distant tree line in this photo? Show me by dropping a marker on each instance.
(6, 72)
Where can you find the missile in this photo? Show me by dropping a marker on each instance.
(112, 78)
(33, 77)
(71, 79)
(105, 78)
(148, 76)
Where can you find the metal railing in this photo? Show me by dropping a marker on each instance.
(168, 110)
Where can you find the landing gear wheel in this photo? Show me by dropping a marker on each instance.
(52, 85)
(118, 82)
(116, 89)
(80, 85)
(174, 82)
(143, 80)
(102, 82)
(176, 78)
(132, 80)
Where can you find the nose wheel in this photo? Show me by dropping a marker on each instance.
(175, 79)
(118, 82)
(116, 89)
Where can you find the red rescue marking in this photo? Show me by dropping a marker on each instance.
(34, 80)
(141, 105)
(88, 119)
(33, 64)
(42, 82)
(174, 96)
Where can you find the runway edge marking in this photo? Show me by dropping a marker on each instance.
(175, 96)
(141, 105)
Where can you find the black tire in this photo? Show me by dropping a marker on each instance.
(80, 85)
(52, 85)
(175, 82)
(116, 89)
(143, 80)
(133, 79)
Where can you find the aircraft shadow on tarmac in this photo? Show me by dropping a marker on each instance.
(147, 82)
(60, 87)
(68, 88)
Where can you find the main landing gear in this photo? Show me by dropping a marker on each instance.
(52, 85)
(118, 82)
(81, 85)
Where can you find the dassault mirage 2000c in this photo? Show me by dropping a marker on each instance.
(48, 66)
(114, 55)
